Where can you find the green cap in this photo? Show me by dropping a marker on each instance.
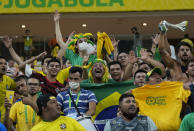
(155, 70)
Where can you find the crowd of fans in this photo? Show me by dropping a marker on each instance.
(48, 96)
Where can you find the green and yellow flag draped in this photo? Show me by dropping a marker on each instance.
(107, 95)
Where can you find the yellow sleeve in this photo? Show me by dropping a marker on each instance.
(186, 94)
(13, 112)
(63, 75)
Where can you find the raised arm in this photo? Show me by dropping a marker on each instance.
(61, 52)
(163, 42)
(21, 66)
(59, 37)
(8, 44)
(145, 57)
(128, 73)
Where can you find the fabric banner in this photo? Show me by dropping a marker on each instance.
(108, 99)
(48, 6)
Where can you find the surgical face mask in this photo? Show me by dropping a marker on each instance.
(83, 46)
(74, 85)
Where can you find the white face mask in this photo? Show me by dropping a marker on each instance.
(74, 85)
(83, 46)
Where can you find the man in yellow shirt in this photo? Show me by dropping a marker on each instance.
(49, 111)
(6, 83)
(23, 114)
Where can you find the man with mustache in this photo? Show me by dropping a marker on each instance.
(129, 118)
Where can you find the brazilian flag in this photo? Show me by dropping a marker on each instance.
(107, 95)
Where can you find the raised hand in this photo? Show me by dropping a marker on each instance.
(144, 54)
(42, 55)
(7, 42)
(70, 37)
(56, 16)
(114, 42)
(155, 39)
(132, 58)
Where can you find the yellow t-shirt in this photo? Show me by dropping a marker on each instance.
(63, 75)
(28, 41)
(6, 84)
(24, 116)
(62, 123)
(162, 103)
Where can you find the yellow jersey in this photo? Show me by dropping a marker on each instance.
(63, 123)
(6, 84)
(162, 103)
(24, 116)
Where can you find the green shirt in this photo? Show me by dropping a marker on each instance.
(75, 59)
(188, 123)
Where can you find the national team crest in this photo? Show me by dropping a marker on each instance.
(63, 126)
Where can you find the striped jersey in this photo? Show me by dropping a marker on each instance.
(85, 97)
(48, 87)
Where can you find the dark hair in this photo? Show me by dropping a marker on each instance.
(42, 102)
(185, 44)
(2, 57)
(54, 59)
(190, 61)
(19, 78)
(75, 69)
(151, 66)
(138, 71)
(126, 95)
(134, 28)
(114, 63)
(33, 77)
(47, 56)
(121, 52)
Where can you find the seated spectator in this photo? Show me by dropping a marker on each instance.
(129, 118)
(49, 111)
(85, 100)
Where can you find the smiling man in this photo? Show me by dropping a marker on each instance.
(129, 118)
(98, 73)
(115, 69)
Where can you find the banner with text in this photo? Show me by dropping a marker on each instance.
(48, 6)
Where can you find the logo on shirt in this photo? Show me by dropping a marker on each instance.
(160, 100)
(63, 126)
(20, 113)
